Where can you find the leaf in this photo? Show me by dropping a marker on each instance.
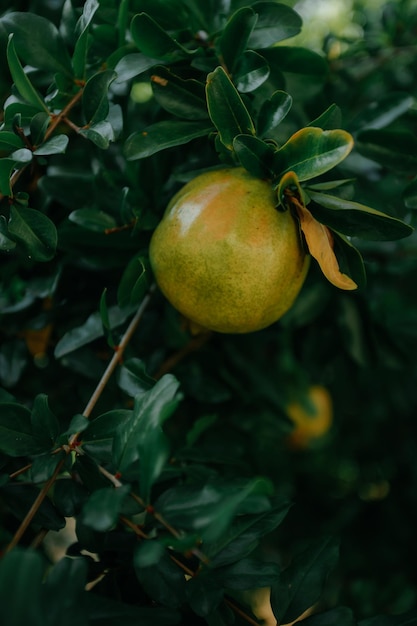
(349, 258)
(92, 219)
(22, 82)
(330, 119)
(318, 237)
(102, 509)
(296, 60)
(148, 553)
(311, 152)
(101, 134)
(133, 65)
(143, 438)
(341, 615)
(55, 145)
(163, 135)
(383, 111)
(35, 231)
(6, 168)
(45, 425)
(226, 108)
(64, 589)
(183, 98)
(16, 437)
(20, 498)
(154, 41)
(410, 195)
(272, 112)
(251, 72)
(97, 439)
(255, 155)
(134, 282)
(6, 243)
(356, 219)
(391, 148)
(95, 96)
(164, 582)
(79, 57)
(301, 584)
(209, 508)
(406, 619)
(234, 38)
(133, 378)
(248, 573)
(105, 611)
(38, 42)
(90, 330)
(275, 23)
(21, 572)
(10, 141)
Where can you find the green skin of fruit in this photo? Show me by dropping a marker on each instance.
(224, 256)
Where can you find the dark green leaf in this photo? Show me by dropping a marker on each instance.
(148, 553)
(38, 126)
(391, 148)
(311, 152)
(164, 582)
(79, 57)
(302, 583)
(13, 359)
(275, 23)
(16, 437)
(134, 283)
(410, 195)
(95, 96)
(352, 218)
(204, 593)
(105, 611)
(64, 591)
(44, 465)
(406, 619)
(20, 498)
(296, 60)
(342, 616)
(38, 42)
(272, 112)
(98, 437)
(183, 98)
(251, 72)
(382, 112)
(55, 145)
(45, 425)
(350, 259)
(163, 135)
(255, 155)
(154, 41)
(226, 108)
(21, 573)
(234, 38)
(330, 119)
(22, 82)
(101, 134)
(90, 330)
(102, 509)
(248, 573)
(199, 427)
(69, 496)
(133, 378)
(133, 65)
(92, 219)
(10, 141)
(35, 231)
(6, 168)
(143, 438)
(6, 243)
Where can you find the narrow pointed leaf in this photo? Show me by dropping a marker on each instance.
(330, 119)
(356, 219)
(226, 108)
(95, 96)
(311, 152)
(45, 425)
(79, 57)
(349, 258)
(234, 38)
(21, 80)
(272, 112)
(163, 135)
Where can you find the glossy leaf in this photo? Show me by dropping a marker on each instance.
(226, 108)
(6, 243)
(79, 57)
(272, 112)
(234, 38)
(16, 436)
(143, 438)
(38, 42)
(55, 145)
(134, 282)
(7, 165)
(356, 219)
(133, 378)
(301, 584)
(45, 425)
(101, 134)
(183, 98)
(204, 594)
(133, 65)
(330, 119)
(251, 72)
(90, 330)
(69, 496)
(97, 438)
(10, 141)
(382, 112)
(95, 96)
(102, 509)
(255, 155)
(249, 573)
(35, 231)
(390, 148)
(163, 135)
(164, 582)
(92, 219)
(154, 41)
(349, 258)
(276, 22)
(148, 553)
(22, 82)
(21, 573)
(311, 152)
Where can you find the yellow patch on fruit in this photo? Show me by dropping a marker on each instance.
(312, 417)
(225, 257)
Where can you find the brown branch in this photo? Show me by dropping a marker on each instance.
(57, 119)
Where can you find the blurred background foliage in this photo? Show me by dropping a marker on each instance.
(359, 479)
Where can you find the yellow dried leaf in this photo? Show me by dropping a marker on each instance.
(319, 240)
